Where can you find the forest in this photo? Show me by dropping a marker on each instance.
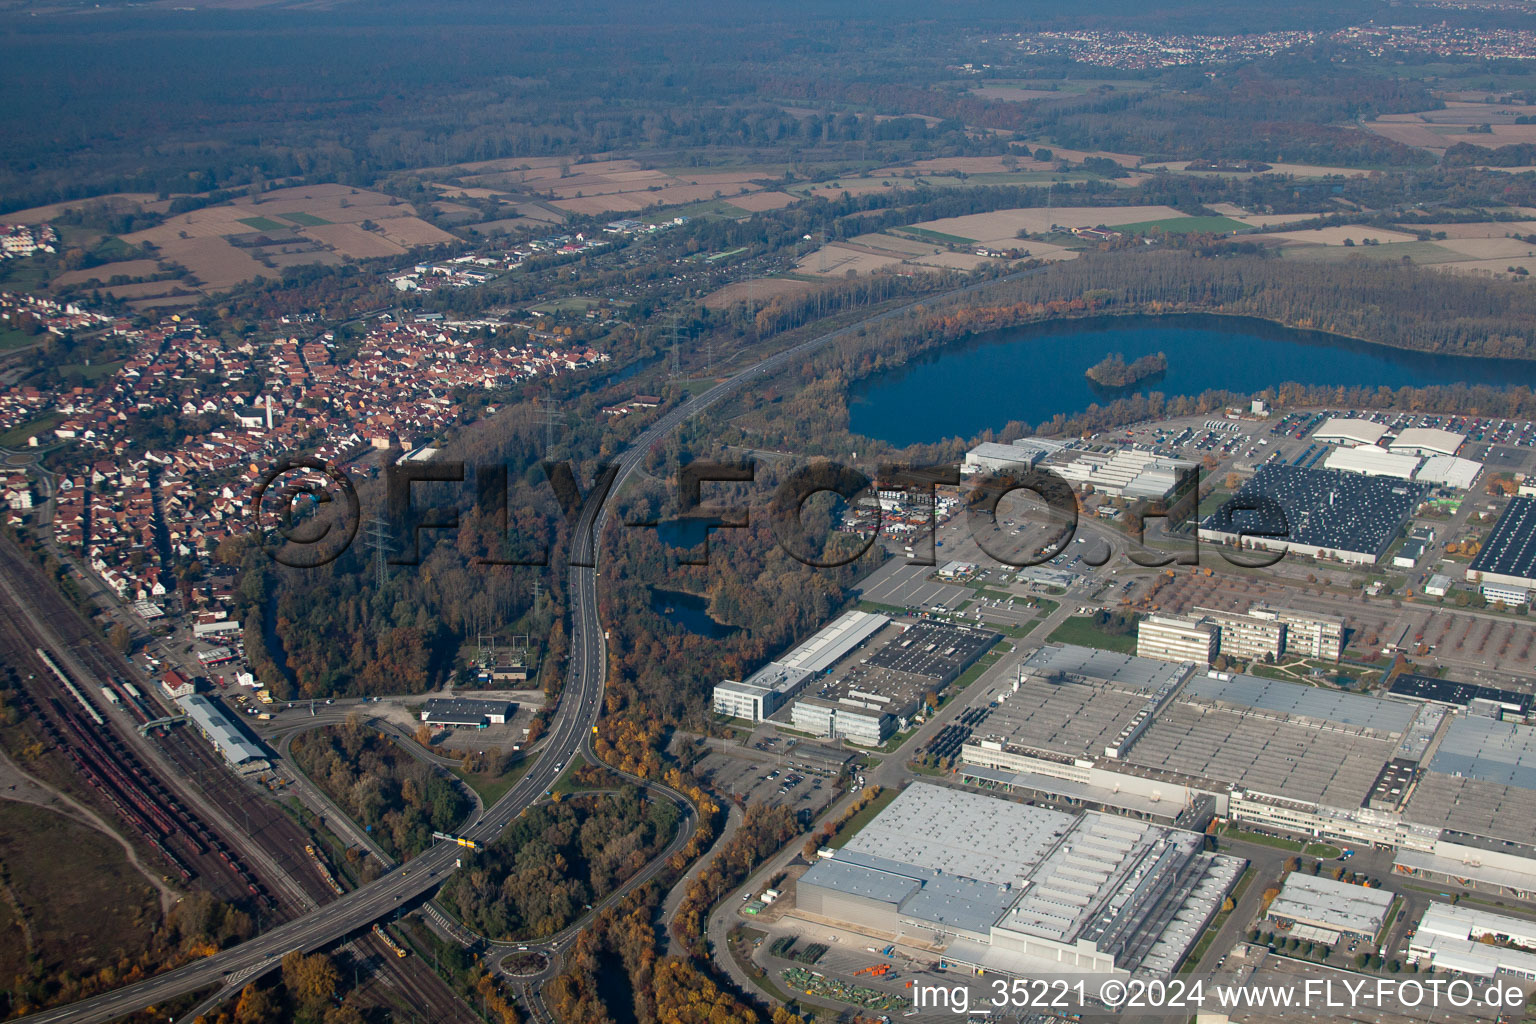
(305, 96)
(197, 926)
(556, 859)
(400, 799)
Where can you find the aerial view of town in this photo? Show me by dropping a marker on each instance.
(796, 513)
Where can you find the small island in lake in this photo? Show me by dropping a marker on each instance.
(1115, 372)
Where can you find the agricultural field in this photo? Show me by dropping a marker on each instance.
(224, 245)
(1185, 225)
(1002, 227)
(1294, 170)
(760, 291)
(131, 269)
(1355, 233)
(599, 187)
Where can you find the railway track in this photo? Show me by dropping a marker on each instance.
(53, 705)
(167, 783)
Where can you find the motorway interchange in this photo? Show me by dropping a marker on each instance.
(576, 713)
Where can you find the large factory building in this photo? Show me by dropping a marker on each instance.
(1015, 889)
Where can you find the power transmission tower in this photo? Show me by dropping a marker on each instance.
(538, 590)
(379, 541)
(677, 330)
(547, 414)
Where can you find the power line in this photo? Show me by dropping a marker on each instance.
(547, 414)
(379, 540)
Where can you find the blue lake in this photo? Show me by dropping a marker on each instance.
(689, 611)
(1033, 373)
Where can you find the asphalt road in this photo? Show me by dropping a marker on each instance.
(575, 718)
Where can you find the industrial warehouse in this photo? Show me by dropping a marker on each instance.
(1505, 566)
(1451, 790)
(867, 700)
(1009, 888)
(462, 713)
(1317, 909)
(1468, 941)
(1324, 513)
(766, 690)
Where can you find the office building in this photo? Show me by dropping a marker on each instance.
(1176, 638)
(1249, 637)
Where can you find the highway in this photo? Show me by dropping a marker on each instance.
(575, 717)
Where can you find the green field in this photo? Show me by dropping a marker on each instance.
(937, 236)
(93, 371)
(263, 224)
(307, 220)
(1080, 630)
(1212, 502)
(17, 436)
(1183, 225)
(1389, 252)
(11, 337)
(492, 789)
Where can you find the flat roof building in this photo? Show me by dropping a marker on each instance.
(1322, 909)
(990, 457)
(1449, 471)
(1249, 637)
(1505, 566)
(1177, 638)
(244, 754)
(1370, 460)
(462, 713)
(1018, 889)
(1343, 430)
(765, 691)
(1125, 472)
(869, 699)
(760, 694)
(1309, 634)
(1450, 693)
(1468, 941)
(1325, 513)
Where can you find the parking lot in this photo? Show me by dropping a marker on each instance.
(767, 781)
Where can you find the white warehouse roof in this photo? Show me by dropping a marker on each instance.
(823, 650)
(1428, 441)
(1449, 471)
(1337, 428)
(1461, 922)
(1336, 905)
(220, 730)
(1372, 461)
